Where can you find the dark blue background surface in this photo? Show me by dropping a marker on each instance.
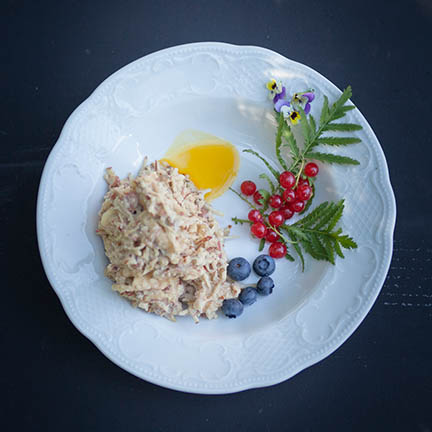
(53, 55)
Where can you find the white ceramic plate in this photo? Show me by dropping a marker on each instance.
(219, 89)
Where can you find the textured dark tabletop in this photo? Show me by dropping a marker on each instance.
(54, 54)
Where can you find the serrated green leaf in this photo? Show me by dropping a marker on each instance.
(330, 216)
(343, 99)
(265, 196)
(289, 257)
(312, 123)
(297, 232)
(347, 242)
(329, 249)
(308, 247)
(324, 111)
(312, 217)
(318, 246)
(295, 151)
(242, 197)
(336, 216)
(241, 221)
(261, 245)
(307, 131)
(347, 108)
(271, 185)
(341, 113)
(332, 158)
(342, 127)
(271, 169)
(325, 216)
(338, 141)
(297, 249)
(280, 129)
(337, 248)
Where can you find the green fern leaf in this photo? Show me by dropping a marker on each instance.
(270, 168)
(332, 158)
(338, 141)
(270, 183)
(342, 127)
(280, 129)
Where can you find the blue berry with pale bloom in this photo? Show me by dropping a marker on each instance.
(264, 265)
(232, 308)
(248, 296)
(238, 269)
(265, 285)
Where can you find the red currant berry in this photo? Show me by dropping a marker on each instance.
(275, 201)
(287, 179)
(288, 195)
(297, 206)
(303, 182)
(258, 229)
(257, 197)
(276, 218)
(248, 187)
(303, 192)
(255, 216)
(311, 169)
(287, 212)
(272, 236)
(277, 250)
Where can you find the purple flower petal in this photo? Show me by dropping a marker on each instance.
(310, 96)
(280, 95)
(307, 108)
(280, 103)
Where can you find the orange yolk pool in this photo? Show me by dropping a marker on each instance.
(210, 162)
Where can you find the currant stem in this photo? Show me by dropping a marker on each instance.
(281, 235)
(299, 173)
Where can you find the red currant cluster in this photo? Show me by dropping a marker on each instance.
(292, 199)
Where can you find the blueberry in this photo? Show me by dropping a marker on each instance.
(232, 308)
(265, 285)
(248, 296)
(264, 265)
(238, 269)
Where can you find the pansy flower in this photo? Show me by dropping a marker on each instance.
(276, 89)
(303, 100)
(284, 107)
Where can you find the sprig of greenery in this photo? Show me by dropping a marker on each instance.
(332, 158)
(316, 235)
(313, 134)
(270, 168)
(237, 220)
(280, 130)
(270, 183)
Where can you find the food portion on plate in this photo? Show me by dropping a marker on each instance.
(166, 249)
(164, 245)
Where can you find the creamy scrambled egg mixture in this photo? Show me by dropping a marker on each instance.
(164, 245)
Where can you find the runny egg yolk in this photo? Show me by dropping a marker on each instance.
(210, 162)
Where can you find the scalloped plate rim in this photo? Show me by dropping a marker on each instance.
(390, 225)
